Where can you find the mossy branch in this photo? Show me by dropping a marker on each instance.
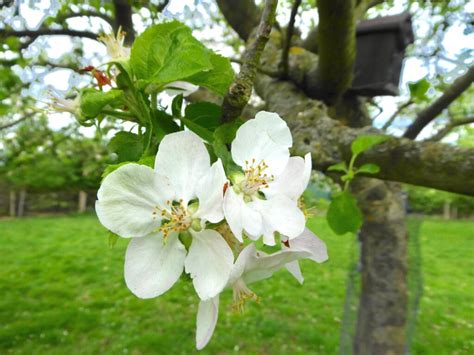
(241, 89)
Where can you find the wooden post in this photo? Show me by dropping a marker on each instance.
(21, 203)
(82, 202)
(12, 204)
(447, 210)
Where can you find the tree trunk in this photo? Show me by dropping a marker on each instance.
(447, 210)
(82, 202)
(383, 303)
(21, 203)
(12, 204)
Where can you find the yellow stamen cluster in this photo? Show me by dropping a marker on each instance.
(242, 294)
(255, 177)
(176, 215)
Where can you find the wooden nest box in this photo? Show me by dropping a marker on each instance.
(381, 44)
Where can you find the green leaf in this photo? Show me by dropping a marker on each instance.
(343, 214)
(112, 239)
(218, 79)
(94, 101)
(148, 161)
(368, 169)
(419, 89)
(205, 114)
(226, 132)
(163, 124)
(342, 166)
(177, 105)
(363, 143)
(167, 52)
(128, 146)
(201, 131)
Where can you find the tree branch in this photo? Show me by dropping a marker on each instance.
(336, 48)
(427, 115)
(17, 121)
(123, 19)
(241, 89)
(289, 34)
(48, 32)
(87, 13)
(429, 164)
(449, 127)
(243, 15)
(395, 114)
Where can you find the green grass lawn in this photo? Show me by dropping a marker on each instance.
(62, 291)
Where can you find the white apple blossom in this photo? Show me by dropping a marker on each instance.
(156, 206)
(60, 104)
(114, 44)
(265, 198)
(252, 266)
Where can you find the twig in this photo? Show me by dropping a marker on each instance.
(289, 35)
(241, 89)
(396, 113)
(13, 123)
(423, 118)
(48, 32)
(449, 127)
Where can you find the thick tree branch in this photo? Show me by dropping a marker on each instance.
(241, 89)
(459, 85)
(123, 19)
(449, 127)
(310, 43)
(435, 165)
(288, 37)
(33, 34)
(243, 15)
(337, 49)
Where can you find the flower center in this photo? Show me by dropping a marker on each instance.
(241, 295)
(255, 177)
(176, 217)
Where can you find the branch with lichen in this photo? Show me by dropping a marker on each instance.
(241, 89)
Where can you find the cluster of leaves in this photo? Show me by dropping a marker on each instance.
(161, 56)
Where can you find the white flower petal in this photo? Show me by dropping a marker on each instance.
(294, 269)
(279, 214)
(152, 266)
(182, 158)
(207, 315)
(293, 180)
(209, 263)
(210, 193)
(257, 265)
(308, 241)
(267, 138)
(240, 216)
(127, 199)
(180, 87)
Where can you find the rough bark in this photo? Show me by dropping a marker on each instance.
(423, 118)
(82, 202)
(336, 48)
(12, 203)
(383, 304)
